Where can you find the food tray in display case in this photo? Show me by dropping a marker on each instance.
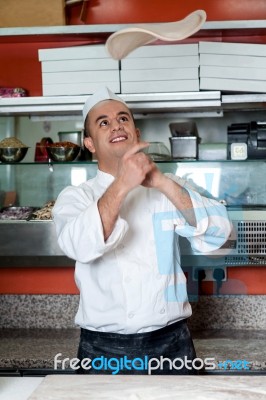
(16, 213)
(24, 241)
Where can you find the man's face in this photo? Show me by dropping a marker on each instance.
(112, 130)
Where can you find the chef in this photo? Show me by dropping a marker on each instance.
(122, 228)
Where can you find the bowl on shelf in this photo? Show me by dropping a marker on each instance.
(63, 151)
(12, 154)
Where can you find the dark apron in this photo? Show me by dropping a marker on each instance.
(128, 354)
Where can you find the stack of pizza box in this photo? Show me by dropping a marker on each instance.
(78, 70)
(161, 68)
(233, 67)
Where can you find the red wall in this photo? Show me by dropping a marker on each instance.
(19, 65)
(37, 280)
(61, 281)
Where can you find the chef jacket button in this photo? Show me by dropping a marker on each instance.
(162, 311)
(130, 315)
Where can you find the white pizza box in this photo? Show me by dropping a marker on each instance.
(85, 64)
(165, 50)
(79, 77)
(63, 89)
(207, 71)
(160, 62)
(235, 85)
(164, 74)
(73, 53)
(233, 60)
(186, 85)
(245, 49)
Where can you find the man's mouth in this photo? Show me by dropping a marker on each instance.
(118, 139)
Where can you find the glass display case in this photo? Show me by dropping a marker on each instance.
(35, 184)
(240, 185)
(237, 183)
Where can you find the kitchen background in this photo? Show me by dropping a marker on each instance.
(34, 297)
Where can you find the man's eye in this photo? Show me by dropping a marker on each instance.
(104, 123)
(123, 119)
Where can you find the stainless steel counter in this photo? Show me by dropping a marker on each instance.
(30, 243)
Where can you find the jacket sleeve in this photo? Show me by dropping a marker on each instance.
(213, 226)
(79, 228)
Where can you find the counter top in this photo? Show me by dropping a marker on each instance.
(151, 387)
(36, 348)
(18, 388)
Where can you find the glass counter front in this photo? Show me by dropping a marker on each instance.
(236, 182)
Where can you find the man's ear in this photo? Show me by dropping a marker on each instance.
(88, 143)
(138, 133)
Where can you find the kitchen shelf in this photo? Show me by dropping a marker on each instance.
(142, 103)
(243, 101)
(69, 163)
(41, 33)
(202, 102)
(171, 161)
(214, 102)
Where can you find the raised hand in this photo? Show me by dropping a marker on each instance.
(134, 167)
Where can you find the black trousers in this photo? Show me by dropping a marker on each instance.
(166, 351)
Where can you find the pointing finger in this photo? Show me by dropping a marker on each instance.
(137, 147)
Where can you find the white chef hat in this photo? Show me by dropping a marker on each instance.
(124, 41)
(102, 94)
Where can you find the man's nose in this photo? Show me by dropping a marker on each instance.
(115, 124)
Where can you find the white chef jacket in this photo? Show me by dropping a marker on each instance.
(133, 282)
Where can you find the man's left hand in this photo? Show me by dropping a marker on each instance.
(154, 178)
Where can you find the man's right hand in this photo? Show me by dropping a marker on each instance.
(133, 167)
(132, 171)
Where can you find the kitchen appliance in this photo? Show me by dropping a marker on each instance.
(212, 151)
(246, 245)
(252, 134)
(184, 140)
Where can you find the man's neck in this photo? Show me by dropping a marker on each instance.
(111, 169)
